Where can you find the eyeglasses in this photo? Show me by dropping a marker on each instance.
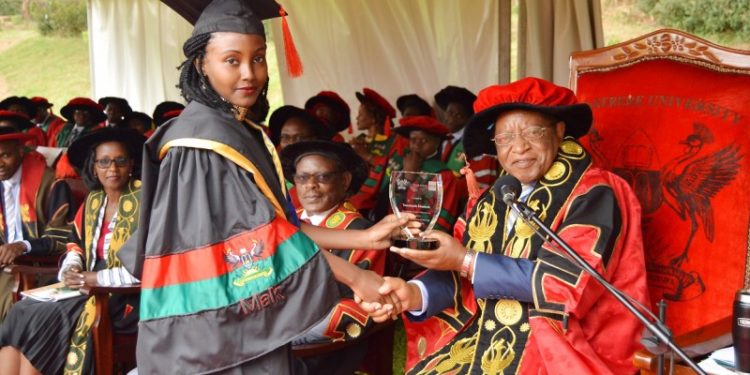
(106, 163)
(321, 178)
(531, 133)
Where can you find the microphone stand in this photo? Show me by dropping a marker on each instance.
(657, 329)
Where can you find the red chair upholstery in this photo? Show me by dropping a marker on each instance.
(672, 117)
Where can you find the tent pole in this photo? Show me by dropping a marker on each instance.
(503, 51)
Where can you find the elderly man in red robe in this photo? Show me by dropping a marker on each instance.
(501, 300)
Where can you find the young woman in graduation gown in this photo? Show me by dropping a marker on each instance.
(229, 276)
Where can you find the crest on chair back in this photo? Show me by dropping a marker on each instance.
(672, 117)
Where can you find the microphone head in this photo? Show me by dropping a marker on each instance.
(507, 187)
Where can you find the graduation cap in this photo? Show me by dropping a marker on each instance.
(238, 16)
(29, 108)
(19, 120)
(413, 100)
(341, 152)
(427, 124)
(281, 115)
(120, 102)
(9, 133)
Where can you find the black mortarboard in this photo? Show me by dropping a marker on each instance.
(214, 11)
(237, 16)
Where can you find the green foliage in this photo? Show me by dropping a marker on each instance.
(59, 17)
(10, 7)
(702, 17)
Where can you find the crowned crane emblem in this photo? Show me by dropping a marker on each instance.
(248, 260)
(691, 181)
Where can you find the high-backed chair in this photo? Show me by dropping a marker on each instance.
(672, 117)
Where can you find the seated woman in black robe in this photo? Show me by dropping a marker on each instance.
(47, 337)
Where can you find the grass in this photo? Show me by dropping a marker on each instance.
(54, 67)
(58, 67)
(399, 348)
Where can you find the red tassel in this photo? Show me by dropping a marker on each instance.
(471, 181)
(387, 128)
(293, 62)
(350, 128)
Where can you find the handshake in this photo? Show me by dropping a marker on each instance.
(386, 297)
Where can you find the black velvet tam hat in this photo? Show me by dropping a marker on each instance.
(120, 102)
(340, 152)
(413, 100)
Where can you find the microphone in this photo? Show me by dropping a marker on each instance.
(509, 188)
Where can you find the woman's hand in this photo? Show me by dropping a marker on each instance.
(379, 235)
(89, 279)
(73, 278)
(448, 257)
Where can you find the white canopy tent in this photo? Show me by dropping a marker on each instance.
(395, 47)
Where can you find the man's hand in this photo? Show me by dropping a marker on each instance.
(9, 252)
(408, 296)
(448, 257)
(366, 288)
(379, 235)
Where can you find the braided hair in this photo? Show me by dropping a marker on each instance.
(195, 86)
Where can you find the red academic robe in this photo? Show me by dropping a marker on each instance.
(599, 216)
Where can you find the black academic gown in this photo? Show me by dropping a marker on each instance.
(228, 280)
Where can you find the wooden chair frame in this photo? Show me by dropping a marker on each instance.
(26, 267)
(109, 347)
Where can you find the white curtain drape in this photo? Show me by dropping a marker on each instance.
(550, 30)
(395, 47)
(135, 48)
